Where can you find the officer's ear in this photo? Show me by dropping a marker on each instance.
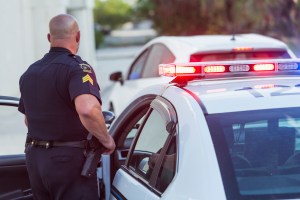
(49, 37)
(78, 37)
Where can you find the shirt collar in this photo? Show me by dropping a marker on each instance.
(59, 49)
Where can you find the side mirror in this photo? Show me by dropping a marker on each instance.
(108, 117)
(117, 76)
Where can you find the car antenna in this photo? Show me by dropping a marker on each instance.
(233, 37)
(233, 29)
(233, 33)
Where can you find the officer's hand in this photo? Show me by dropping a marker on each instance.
(109, 146)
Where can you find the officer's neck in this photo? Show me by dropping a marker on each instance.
(71, 46)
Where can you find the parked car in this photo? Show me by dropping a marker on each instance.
(166, 49)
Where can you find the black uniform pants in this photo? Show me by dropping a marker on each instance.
(54, 174)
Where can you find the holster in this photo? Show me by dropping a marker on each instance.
(94, 151)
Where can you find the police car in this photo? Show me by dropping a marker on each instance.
(166, 49)
(218, 130)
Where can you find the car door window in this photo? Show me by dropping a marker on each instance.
(137, 67)
(132, 133)
(153, 154)
(159, 54)
(167, 170)
(13, 131)
(146, 151)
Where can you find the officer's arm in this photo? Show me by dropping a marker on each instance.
(90, 114)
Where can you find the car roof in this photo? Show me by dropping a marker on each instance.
(244, 94)
(184, 46)
(218, 42)
(234, 94)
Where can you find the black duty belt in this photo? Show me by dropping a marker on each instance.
(48, 144)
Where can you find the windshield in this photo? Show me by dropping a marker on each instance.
(258, 152)
(239, 56)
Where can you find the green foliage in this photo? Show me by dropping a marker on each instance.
(99, 37)
(112, 13)
(143, 9)
(278, 18)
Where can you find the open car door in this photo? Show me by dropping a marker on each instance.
(14, 179)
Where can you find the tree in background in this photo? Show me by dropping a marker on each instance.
(108, 15)
(279, 19)
(181, 17)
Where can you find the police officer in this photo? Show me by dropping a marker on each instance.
(61, 103)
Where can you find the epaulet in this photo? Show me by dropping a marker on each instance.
(83, 65)
(77, 58)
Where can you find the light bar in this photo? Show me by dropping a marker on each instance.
(218, 68)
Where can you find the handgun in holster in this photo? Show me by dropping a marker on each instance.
(94, 151)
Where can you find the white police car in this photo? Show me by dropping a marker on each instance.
(143, 71)
(218, 130)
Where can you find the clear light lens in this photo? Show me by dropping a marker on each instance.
(167, 70)
(239, 68)
(287, 66)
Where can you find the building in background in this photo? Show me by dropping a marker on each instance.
(23, 35)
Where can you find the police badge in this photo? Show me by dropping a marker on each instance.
(86, 68)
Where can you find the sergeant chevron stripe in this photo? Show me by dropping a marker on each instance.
(87, 78)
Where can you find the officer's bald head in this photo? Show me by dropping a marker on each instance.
(64, 32)
(63, 26)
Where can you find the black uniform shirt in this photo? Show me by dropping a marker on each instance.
(48, 89)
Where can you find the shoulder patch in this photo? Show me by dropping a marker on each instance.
(87, 78)
(86, 68)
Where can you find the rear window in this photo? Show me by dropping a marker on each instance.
(258, 152)
(239, 56)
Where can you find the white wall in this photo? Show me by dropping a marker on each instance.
(23, 35)
(12, 41)
(41, 13)
(83, 11)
